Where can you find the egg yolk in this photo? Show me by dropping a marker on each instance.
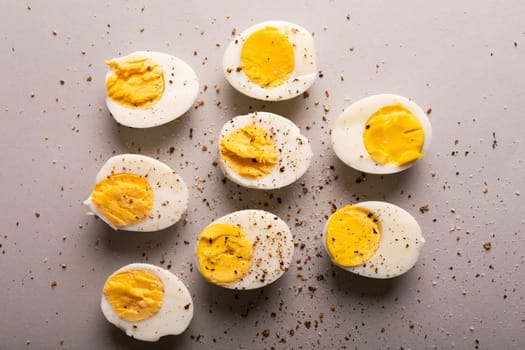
(135, 295)
(267, 58)
(352, 236)
(224, 253)
(250, 151)
(123, 198)
(136, 82)
(393, 136)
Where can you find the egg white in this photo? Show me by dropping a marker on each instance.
(300, 80)
(347, 132)
(181, 90)
(173, 317)
(399, 247)
(272, 244)
(170, 194)
(295, 152)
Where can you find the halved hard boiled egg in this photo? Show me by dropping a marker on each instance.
(246, 249)
(146, 89)
(138, 193)
(271, 61)
(263, 150)
(147, 302)
(373, 239)
(381, 134)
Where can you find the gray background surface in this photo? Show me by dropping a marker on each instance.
(464, 60)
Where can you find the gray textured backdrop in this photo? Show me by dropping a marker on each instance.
(463, 60)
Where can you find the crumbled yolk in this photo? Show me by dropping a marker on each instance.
(267, 58)
(136, 82)
(393, 136)
(352, 236)
(250, 151)
(123, 198)
(135, 295)
(225, 253)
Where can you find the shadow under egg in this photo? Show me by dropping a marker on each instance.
(352, 285)
(153, 140)
(357, 186)
(230, 304)
(242, 104)
(120, 340)
(135, 243)
(272, 200)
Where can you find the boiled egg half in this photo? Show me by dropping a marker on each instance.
(381, 134)
(373, 239)
(146, 89)
(246, 249)
(271, 61)
(138, 193)
(263, 150)
(147, 302)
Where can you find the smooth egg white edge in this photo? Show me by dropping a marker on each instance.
(177, 99)
(393, 258)
(347, 132)
(302, 78)
(295, 153)
(170, 193)
(174, 316)
(269, 252)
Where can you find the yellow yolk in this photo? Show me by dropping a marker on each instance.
(267, 58)
(352, 236)
(250, 151)
(135, 295)
(225, 253)
(124, 199)
(393, 136)
(136, 82)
